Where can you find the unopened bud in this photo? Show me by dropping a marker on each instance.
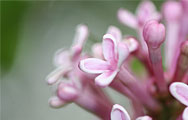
(67, 91)
(154, 33)
(172, 10)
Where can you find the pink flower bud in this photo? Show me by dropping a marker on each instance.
(154, 33)
(67, 91)
(172, 10)
(146, 11)
(55, 102)
(127, 18)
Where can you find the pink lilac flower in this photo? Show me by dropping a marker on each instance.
(114, 55)
(145, 11)
(80, 76)
(71, 82)
(130, 41)
(110, 68)
(63, 58)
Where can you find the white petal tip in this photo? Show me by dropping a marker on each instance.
(144, 118)
(180, 91)
(119, 113)
(105, 79)
(185, 114)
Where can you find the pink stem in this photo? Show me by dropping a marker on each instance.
(89, 101)
(156, 61)
(100, 92)
(170, 45)
(138, 90)
(182, 63)
(118, 86)
(144, 59)
(142, 41)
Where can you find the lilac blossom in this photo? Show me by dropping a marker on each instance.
(114, 56)
(79, 77)
(145, 11)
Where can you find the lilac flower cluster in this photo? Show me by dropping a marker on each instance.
(163, 94)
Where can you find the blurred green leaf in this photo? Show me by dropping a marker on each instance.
(11, 15)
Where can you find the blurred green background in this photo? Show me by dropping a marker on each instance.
(31, 32)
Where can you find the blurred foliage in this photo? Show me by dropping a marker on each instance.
(11, 15)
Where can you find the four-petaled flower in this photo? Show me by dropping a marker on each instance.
(114, 54)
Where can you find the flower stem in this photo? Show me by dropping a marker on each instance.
(182, 63)
(138, 90)
(156, 62)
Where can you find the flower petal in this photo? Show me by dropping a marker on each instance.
(185, 114)
(55, 102)
(115, 32)
(62, 58)
(105, 78)
(123, 53)
(119, 113)
(56, 75)
(131, 43)
(144, 118)
(127, 18)
(93, 65)
(81, 35)
(180, 92)
(147, 11)
(67, 91)
(97, 50)
(109, 46)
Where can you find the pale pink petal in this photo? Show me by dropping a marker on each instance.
(127, 18)
(81, 35)
(180, 91)
(105, 78)
(67, 91)
(144, 118)
(119, 113)
(75, 52)
(97, 50)
(55, 102)
(109, 46)
(115, 32)
(123, 53)
(57, 74)
(131, 43)
(62, 58)
(93, 65)
(146, 11)
(185, 114)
